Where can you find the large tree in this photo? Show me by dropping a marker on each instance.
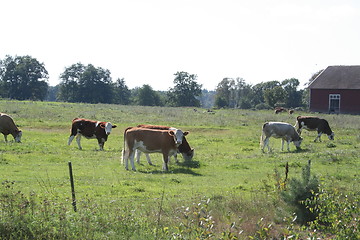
(223, 93)
(89, 84)
(185, 91)
(122, 93)
(23, 77)
(146, 96)
(293, 96)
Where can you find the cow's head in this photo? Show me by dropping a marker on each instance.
(331, 136)
(297, 143)
(17, 137)
(178, 135)
(107, 127)
(188, 155)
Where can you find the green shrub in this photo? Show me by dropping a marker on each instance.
(336, 214)
(298, 191)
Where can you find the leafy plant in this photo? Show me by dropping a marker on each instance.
(336, 213)
(299, 191)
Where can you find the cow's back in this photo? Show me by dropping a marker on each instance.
(280, 129)
(308, 122)
(7, 124)
(84, 127)
(151, 138)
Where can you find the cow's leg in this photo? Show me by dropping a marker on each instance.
(70, 139)
(175, 157)
(138, 154)
(288, 145)
(266, 143)
(318, 137)
(282, 144)
(101, 142)
(5, 137)
(299, 131)
(78, 138)
(166, 160)
(148, 159)
(131, 156)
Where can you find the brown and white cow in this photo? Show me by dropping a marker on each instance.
(314, 124)
(151, 141)
(7, 126)
(282, 130)
(184, 148)
(90, 130)
(279, 110)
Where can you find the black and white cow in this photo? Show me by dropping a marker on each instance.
(314, 124)
(90, 129)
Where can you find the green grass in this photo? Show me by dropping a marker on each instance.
(228, 167)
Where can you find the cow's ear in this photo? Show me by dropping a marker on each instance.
(102, 125)
(171, 133)
(114, 126)
(186, 133)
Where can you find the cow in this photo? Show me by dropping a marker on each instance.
(282, 130)
(90, 129)
(7, 126)
(184, 148)
(151, 141)
(314, 124)
(279, 110)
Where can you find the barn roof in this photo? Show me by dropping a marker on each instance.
(337, 77)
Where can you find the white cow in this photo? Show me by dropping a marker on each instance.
(282, 130)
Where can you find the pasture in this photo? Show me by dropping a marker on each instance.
(229, 179)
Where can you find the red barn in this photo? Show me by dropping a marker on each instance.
(336, 90)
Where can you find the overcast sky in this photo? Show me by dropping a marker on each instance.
(148, 41)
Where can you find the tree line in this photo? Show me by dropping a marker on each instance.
(25, 78)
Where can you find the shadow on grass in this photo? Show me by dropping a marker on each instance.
(185, 168)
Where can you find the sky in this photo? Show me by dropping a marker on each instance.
(148, 41)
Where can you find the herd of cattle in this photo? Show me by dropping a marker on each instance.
(168, 140)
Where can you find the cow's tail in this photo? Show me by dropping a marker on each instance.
(262, 136)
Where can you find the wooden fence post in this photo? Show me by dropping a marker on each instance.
(72, 187)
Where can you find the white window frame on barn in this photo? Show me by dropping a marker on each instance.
(334, 103)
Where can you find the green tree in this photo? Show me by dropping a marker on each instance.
(146, 96)
(233, 93)
(293, 96)
(223, 93)
(23, 77)
(186, 90)
(275, 96)
(69, 85)
(122, 93)
(89, 84)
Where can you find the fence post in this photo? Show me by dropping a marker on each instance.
(72, 187)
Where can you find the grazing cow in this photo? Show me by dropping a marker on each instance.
(279, 110)
(90, 129)
(291, 111)
(282, 130)
(151, 141)
(314, 124)
(7, 126)
(184, 148)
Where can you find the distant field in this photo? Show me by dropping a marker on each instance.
(228, 163)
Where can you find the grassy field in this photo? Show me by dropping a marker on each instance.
(229, 180)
